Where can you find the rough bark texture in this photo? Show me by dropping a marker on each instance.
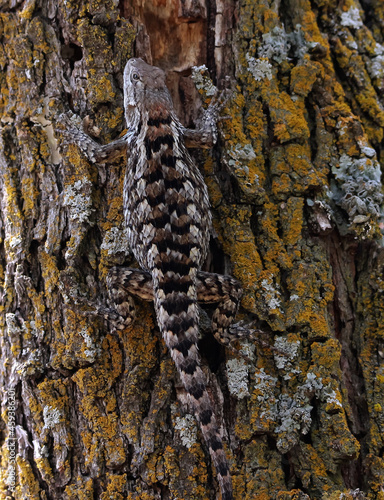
(295, 186)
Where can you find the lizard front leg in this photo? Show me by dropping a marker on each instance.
(94, 152)
(205, 134)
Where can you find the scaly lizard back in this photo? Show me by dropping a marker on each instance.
(168, 220)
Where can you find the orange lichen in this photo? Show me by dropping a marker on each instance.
(115, 489)
(291, 216)
(304, 75)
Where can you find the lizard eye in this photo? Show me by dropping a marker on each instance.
(135, 76)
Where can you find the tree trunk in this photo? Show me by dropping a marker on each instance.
(295, 187)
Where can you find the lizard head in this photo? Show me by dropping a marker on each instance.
(145, 91)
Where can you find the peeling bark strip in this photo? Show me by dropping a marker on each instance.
(297, 203)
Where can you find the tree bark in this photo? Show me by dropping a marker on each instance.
(296, 192)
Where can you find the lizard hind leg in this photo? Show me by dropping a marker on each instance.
(226, 292)
(124, 283)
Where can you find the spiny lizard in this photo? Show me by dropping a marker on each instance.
(168, 223)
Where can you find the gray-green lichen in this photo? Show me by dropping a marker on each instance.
(291, 412)
(237, 373)
(351, 18)
(12, 325)
(238, 164)
(375, 64)
(295, 419)
(260, 68)
(294, 413)
(77, 197)
(39, 451)
(92, 350)
(240, 152)
(278, 45)
(266, 385)
(329, 396)
(358, 188)
(271, 294)
(115, 240)
(33, 365)
(202, 80)
(285, 354)
(186, 427)
(51, 417)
